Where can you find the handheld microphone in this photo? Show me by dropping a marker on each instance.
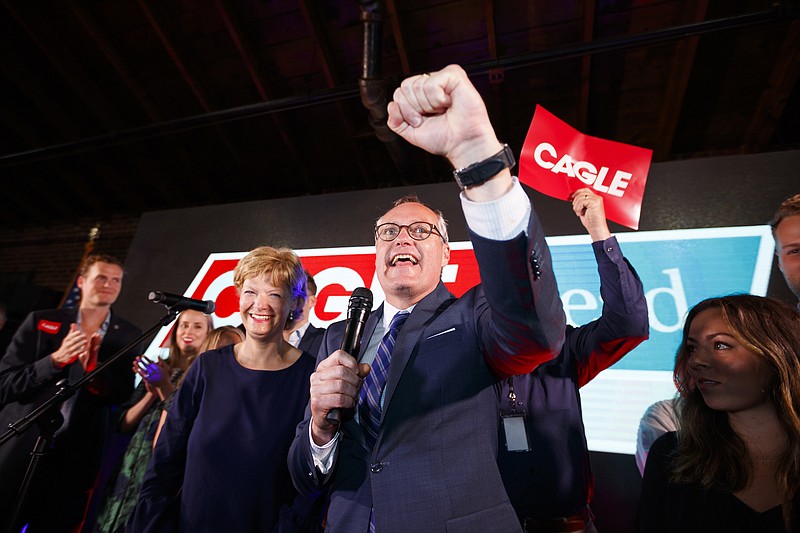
(176, 302)
(358, 311)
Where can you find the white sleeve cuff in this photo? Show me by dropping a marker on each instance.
(323, 455)
(501, 219)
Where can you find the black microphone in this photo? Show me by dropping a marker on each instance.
(358, 311)
(176, 302)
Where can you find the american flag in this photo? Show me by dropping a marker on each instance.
(73, 295)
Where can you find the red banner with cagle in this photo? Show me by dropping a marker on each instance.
(337, 273)
(557, 160)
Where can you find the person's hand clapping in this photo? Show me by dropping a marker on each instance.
(88, 358)
(155, 375)
(73, 346)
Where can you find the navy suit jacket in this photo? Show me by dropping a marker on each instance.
(28, 379)
(311, 340)
(554, 479)
(434, 466)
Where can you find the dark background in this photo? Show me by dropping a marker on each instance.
(120, 107)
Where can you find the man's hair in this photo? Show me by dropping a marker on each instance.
(441, 223)
(311, 285)
(788, 208)
(99, 258)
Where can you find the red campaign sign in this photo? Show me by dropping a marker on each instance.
(337, 273)
(557, 160)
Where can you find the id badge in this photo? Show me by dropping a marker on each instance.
(515, 432)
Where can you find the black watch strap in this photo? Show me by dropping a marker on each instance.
(480, 172)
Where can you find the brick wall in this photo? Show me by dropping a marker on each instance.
(47, 257)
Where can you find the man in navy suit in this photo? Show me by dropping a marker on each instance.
(433, 465)
(305, 335)
(49, 346)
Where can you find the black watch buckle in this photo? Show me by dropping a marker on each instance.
(482, 171)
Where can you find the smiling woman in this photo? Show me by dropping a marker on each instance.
(228, 430)
(734, 462)
(140, 415)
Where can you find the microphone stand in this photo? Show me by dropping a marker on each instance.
(48, 415)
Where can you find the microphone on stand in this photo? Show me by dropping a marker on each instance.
(358, 311)
(176, 302)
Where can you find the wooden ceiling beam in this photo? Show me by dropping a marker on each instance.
(678, 81)
(159, 26)
(25, 80)
(254, 69)
(70, 70)
(86, 194)
(494, 99)
(105, 47)
(780, 85)
(14, 68)
(399, 36)
(81, 83)
(16, 212)
(170, 149)
(491, 31)
(316, 26)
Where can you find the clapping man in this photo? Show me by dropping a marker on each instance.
(49, 346)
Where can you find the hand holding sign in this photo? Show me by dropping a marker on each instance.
(589, 208)
(557, 160)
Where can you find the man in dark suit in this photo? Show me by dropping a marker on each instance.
(544, 457)
(49, 346)
(427, 460)
(305, 335)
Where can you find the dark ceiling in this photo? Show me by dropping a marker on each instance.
(118, 107)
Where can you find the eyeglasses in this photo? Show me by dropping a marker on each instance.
(419, 231)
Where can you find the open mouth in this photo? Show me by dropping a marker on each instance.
(406, 258)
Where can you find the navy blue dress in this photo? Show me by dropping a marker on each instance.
(220, 461)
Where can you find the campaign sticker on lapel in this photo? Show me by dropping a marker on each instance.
(557, 160)
(49, 327)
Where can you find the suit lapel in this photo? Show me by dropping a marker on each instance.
(409, 336)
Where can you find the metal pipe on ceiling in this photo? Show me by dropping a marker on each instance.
(783, 13)
(373, 88)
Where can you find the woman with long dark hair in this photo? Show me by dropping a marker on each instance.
(734, 463)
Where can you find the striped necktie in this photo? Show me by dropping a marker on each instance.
(369, 400)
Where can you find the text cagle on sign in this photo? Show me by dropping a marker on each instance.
(557, 160)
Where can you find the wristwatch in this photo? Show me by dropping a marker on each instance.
(480, 172)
